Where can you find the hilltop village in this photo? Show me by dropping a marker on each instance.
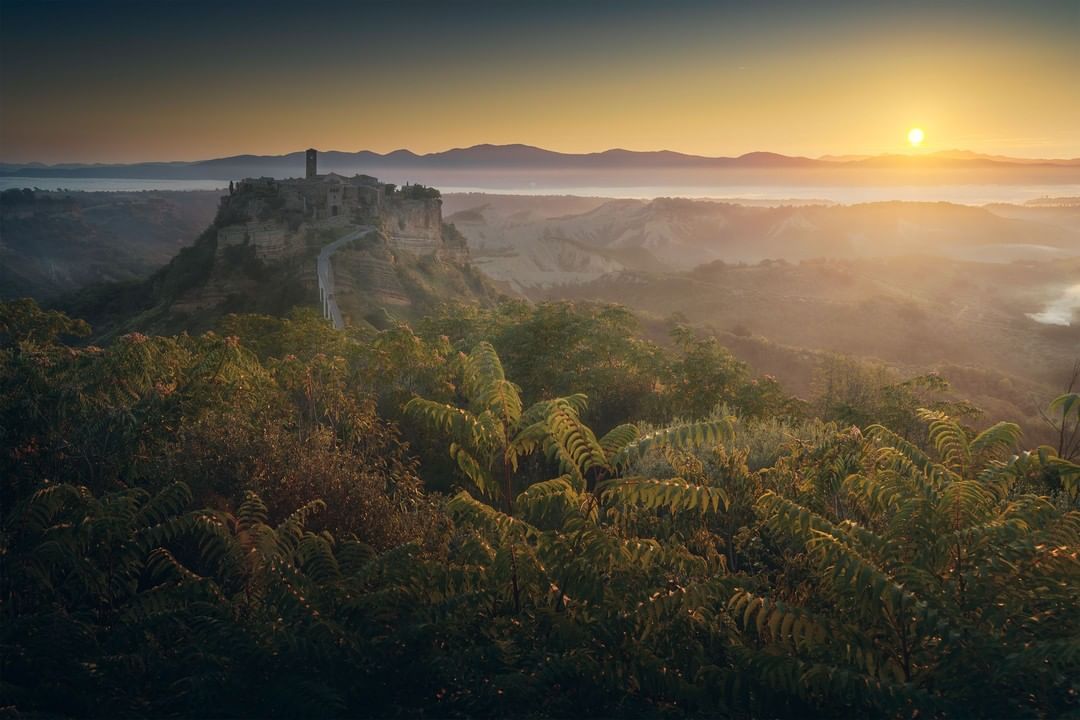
(370, 253)
(278, 218)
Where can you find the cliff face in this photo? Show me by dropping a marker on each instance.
(367, 277)
(378, 282)
(414, 225)
(270, 241)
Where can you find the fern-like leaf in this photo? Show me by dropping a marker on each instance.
(486, 385)
(675, 494)
(997, 440)
(461, 425)
(714, 432)
(618, 438)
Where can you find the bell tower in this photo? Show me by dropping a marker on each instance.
(312, 163)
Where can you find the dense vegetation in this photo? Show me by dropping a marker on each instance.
(518, 511)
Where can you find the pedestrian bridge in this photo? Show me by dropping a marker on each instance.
(325, 272)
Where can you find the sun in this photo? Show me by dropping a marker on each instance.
(915, 136)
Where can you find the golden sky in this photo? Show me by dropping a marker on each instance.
(127, 82)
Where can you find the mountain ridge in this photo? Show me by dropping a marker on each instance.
(526, 158)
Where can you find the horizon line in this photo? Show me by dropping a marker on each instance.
(826, 157)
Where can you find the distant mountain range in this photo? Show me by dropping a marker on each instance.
(510, 165)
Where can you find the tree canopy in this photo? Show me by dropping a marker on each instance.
(525, 511)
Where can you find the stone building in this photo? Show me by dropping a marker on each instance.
(271, 214)
(329, 196)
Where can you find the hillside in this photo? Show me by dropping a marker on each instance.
(259, 256)
(700, 260)
(379, 284)
(529, 247)
(914, 313)
(57, 242)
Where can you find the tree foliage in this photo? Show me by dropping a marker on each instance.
(193, 526)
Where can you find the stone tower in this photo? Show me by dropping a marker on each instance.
(312, 163)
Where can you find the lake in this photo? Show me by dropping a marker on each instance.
(844, 194)
(770, 194)
(109, 184)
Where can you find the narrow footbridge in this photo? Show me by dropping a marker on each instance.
(325, 271)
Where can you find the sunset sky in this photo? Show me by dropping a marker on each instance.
(179, 80)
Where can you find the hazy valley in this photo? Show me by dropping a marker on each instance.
(539, 242)
(52, 243)
(921, 287)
